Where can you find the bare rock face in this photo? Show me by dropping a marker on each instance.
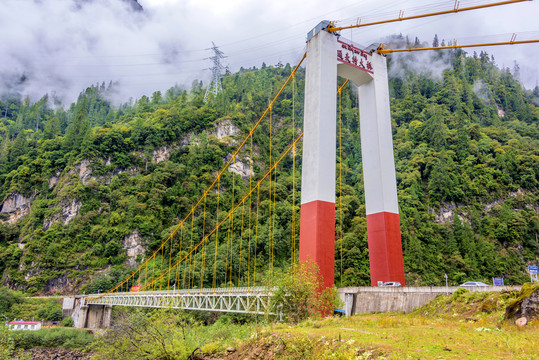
(161, 154)
(69, 212)
(133, 244)
(244, 168)
(17, 206)
(47, 223)
(15, 202)
(446, 213)
(54, 180)
(224, 130)
(85, 173)
(526, 305)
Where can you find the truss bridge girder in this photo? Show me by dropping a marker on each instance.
(237, 300)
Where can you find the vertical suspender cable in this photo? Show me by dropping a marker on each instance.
(203, 266)
(256, 233)
(169, 261)
(214, 282)
(340, 177)
(241, 241)
(293, 172)
(251, 174)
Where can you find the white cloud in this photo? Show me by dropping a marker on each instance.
(64, 46)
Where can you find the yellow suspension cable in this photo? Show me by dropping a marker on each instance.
(340, 176)
(340, 171)
(178, 269)
(401, 17)
(241, 242)
(146, 277)
(231, 230)
(221, 172)
(191, 257)
(270, 260)
(169, 262)
(216, 236)
(256, 234)
(251, 174)
(161, 268)
(216, 228)
(273, 225)
(293, 175)
(203, 267)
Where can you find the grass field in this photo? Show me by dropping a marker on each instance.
(460, 326)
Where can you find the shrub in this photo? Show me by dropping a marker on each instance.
(69, 338)
(67, 321)
(299, 294)
(7, 342)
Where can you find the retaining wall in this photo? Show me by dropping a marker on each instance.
(365, 299)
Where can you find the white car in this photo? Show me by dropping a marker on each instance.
(474, 283)
(392, 283)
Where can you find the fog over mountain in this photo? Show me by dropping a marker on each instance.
(61, 47)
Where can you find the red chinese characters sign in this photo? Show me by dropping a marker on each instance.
(351, 55)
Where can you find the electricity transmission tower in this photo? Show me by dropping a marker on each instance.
(216, 71)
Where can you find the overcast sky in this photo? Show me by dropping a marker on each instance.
(63, 46)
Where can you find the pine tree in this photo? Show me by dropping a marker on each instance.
(79, 129)
(435, 42)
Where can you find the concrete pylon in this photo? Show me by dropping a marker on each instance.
(317, 223)
(327, 57)
(381, 202)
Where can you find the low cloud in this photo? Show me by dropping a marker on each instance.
(63, 46)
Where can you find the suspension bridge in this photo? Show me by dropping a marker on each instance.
(222, 254)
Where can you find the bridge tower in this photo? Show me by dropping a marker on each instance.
(329, 56)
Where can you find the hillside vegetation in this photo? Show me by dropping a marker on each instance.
(92, 186)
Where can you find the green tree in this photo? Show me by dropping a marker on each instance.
(79, 131)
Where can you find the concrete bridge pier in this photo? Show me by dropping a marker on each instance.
(94, 316)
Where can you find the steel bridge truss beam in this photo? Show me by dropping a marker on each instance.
(237, 300)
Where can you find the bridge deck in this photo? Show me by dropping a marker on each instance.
(253, 300)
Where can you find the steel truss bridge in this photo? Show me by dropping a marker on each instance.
(253, 300)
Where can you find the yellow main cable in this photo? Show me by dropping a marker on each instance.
(221, 172)
(456, 46)
(331, 28)
(235, 208)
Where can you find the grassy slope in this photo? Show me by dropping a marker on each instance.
(459, 326)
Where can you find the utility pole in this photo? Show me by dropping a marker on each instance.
(216, 72)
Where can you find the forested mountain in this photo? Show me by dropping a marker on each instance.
(90, 189)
